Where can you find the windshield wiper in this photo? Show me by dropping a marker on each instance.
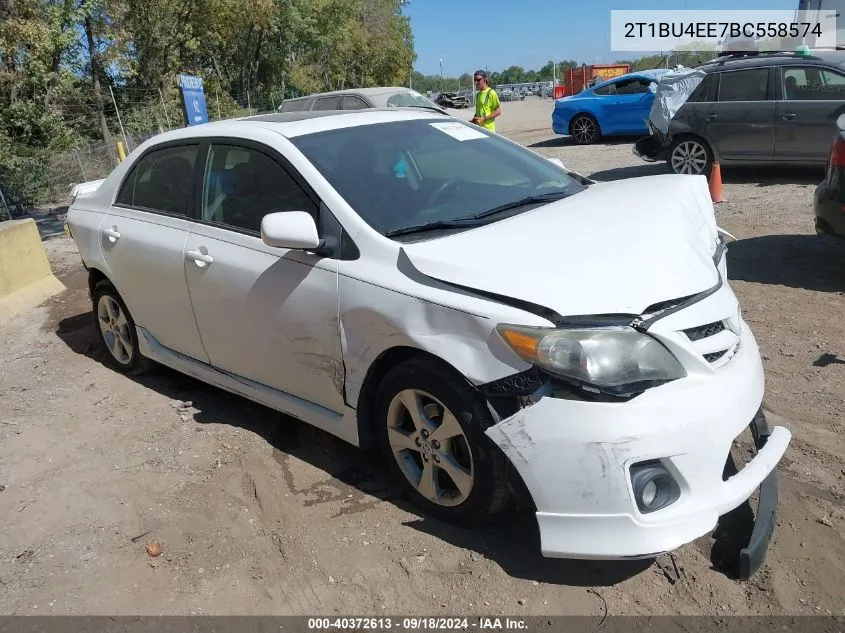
(432, 226)
(473, 220)
(546, 197)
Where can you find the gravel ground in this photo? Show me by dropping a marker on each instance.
(260, 514)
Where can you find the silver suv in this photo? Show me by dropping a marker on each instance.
(755, 109)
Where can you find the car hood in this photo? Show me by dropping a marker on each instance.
(616, 247)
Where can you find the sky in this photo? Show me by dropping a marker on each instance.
(495, 34)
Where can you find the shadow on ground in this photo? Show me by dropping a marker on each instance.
(567, 141)
(50, 222)
(811, 262)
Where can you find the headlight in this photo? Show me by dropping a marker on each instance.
(614, 359)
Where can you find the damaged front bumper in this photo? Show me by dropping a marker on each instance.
(653, 147)
(579, 461)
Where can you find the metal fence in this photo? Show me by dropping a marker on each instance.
(133, 117)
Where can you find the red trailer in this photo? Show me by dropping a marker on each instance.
(577, 79)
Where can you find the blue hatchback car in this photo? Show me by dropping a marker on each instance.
(618, 106)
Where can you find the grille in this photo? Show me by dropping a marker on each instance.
(705, 331)
(712, 358)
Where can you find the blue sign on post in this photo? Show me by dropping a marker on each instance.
(193, 99)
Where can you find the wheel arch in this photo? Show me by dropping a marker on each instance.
(586, 113)
(378, 369)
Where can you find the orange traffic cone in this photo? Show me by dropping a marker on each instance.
(716, 183)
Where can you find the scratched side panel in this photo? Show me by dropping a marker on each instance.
(375, 318)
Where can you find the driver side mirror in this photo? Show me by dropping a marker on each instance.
(290, 229)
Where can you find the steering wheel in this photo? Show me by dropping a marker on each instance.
(438, 193)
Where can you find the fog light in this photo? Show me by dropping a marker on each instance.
(654, 487)
(649, 493)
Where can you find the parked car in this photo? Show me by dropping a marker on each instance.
(618, 106)
(755, 109)
(499, 326)
(359, 99)
(454, 100)
(829, 196)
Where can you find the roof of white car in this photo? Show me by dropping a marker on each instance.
(292, 124)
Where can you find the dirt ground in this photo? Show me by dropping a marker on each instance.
(261, 514)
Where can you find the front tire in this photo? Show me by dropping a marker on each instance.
(584, 129)
(690, 155)
(116, 334)
(430, 427)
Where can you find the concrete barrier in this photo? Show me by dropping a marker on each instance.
(26, 278)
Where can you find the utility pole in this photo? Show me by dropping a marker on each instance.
(441, 75)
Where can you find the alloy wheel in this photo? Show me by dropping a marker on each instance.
(430, 447)
(114, 329)
(689, 157)
(584, 130)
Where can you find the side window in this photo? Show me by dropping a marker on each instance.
(744, 85)
(242, 185)
(294, 105)
(127, 190)
(354, 103)
(809, 83)
(609, 89)
(632, 86)
(327, 103)
(706, 91)
(163, 181)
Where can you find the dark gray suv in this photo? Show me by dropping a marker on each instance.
(755, 109)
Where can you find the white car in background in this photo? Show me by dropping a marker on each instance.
(499, 326)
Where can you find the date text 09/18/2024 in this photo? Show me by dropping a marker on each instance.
(418, 623)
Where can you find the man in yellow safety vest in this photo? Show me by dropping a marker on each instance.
(487, 106)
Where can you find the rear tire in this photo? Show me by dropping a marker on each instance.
(430, 427)
(116, 334)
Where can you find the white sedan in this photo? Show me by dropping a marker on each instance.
(498, 325)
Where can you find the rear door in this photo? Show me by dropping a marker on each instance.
(741, 122)
(143, 241)
(810, 100)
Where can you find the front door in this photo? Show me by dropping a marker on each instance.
(741, 122)
(265, 314)
(805, 117)
(631, 105)
(143, 240)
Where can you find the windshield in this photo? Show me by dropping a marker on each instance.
(409, 173)
(409, 99)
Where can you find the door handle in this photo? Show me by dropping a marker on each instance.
(712, 116)
(200, 259)
(112, 234)
(788, 116)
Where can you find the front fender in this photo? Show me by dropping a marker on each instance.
(374, 320)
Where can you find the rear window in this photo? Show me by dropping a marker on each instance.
(409, 99)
